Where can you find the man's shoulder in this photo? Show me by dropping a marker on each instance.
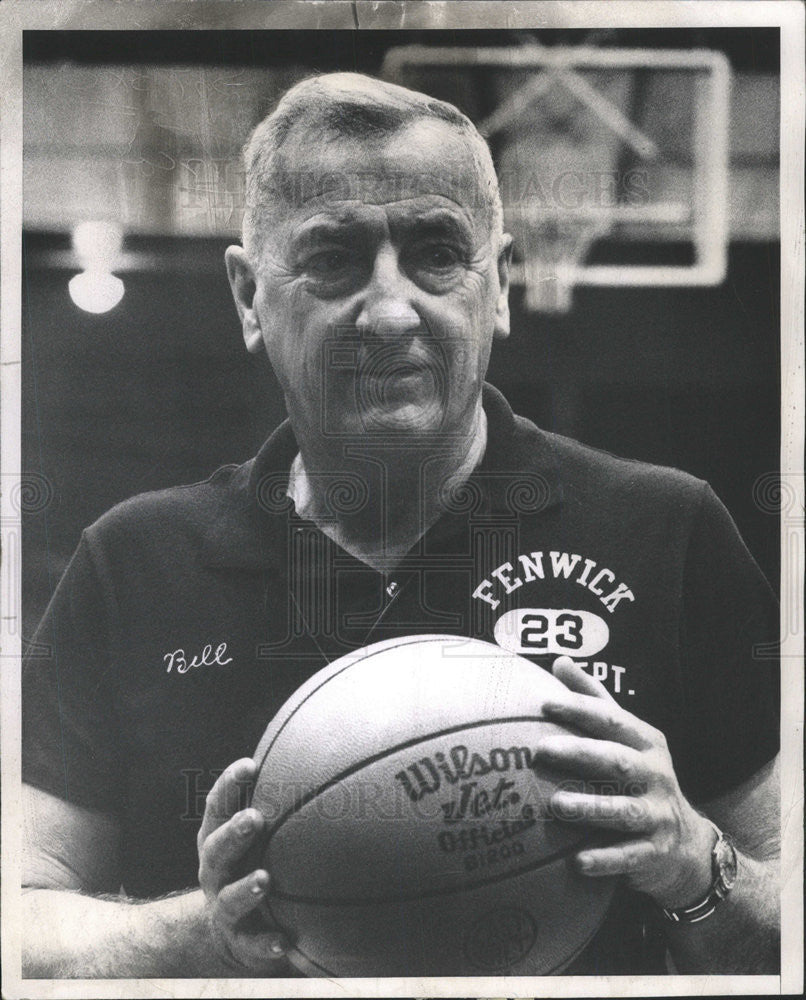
(185, 510)
(576, 472)
(585, 471)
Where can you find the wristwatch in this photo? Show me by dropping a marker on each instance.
(724, 867)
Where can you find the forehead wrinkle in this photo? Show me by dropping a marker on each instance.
(434, 215)
(378, 172)
(314, 147)
(404, 213)
(329, 223)
(323, 229)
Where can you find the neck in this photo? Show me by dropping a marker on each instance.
(382, 495)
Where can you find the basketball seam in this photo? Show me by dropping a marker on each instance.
(549, 972)
(567, 961)
(430, 893)
(559, 967)
(338, 673)
(388, 751)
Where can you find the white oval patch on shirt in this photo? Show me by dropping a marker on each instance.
(549, 630)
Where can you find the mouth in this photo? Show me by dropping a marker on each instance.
(392, 379)
(394, 364)
(400, 373)
(397, 374)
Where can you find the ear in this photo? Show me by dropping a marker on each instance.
(501, 327)
(242, 282)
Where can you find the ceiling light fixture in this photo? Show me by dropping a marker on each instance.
(97, 245)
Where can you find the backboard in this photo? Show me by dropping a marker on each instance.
(613, 162)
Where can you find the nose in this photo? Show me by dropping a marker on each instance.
(386, 310)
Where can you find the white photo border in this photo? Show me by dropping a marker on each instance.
(17, 16)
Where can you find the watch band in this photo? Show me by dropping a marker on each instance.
(722, 884)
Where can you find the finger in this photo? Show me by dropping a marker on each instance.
(575, 678)
(252, 938)
(227, 796)
(585, 757)
(255, 949)
(273, 945)
(621, 859)
(240, 898)
(626, 813)
(222, 853)
(601, 719)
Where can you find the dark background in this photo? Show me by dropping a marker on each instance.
(160, 390)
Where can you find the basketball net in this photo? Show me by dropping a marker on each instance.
(552, 248)
(559, 150)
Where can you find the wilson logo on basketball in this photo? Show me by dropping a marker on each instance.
(459, 764)
(472, 802)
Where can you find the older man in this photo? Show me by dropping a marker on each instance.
(374, 274)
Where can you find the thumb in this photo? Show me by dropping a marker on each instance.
(575, 679)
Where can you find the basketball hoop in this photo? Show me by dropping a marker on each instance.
(553, 249)
(600, 143)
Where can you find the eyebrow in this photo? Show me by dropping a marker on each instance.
(341, 225)
(327, 229)
(434, 219)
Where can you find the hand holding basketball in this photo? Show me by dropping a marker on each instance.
(667, 843)
(240, 933)
(408, 829)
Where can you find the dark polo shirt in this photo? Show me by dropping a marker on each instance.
(187, 617)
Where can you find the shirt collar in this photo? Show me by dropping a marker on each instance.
(299, 484)
(519, 473)
(517, 476)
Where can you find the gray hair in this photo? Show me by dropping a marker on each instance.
(353, 106)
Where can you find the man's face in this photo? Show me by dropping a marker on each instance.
(379, 287)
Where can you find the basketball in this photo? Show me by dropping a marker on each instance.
(409, 831)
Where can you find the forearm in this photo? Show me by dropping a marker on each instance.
(742, 936)
(70, 935)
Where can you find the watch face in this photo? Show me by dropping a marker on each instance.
(727, 862)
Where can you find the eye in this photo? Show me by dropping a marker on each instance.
(435, 265)
(328, 263)
(439, 256)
